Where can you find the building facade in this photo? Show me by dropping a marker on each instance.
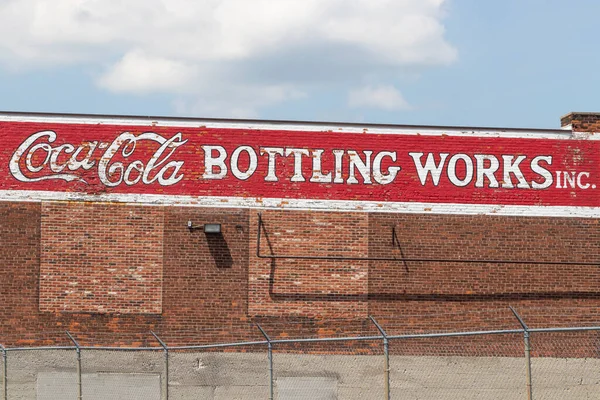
(103, 227)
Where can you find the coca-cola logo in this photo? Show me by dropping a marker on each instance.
(119, 162)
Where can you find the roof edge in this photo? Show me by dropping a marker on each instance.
(278, 122)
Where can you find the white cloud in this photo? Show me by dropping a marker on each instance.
(248, 99)
(137, 72)
(383, 97)
(199, 50)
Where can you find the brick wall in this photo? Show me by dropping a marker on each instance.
(455, 296)
(212, 286)
(19, 268)
(582, 122)
(101, 258)
(206, 276)
(310, 288)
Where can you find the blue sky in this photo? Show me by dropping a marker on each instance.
(463, 62)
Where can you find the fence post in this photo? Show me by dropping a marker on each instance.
(165, 389)
(79, 387)
(527, 352)
(270, 347)
(386, 354)
(4, 373)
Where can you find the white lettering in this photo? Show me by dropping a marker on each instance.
(388, 178)
(454, 179)
(317, 175)
(272, 152)
(339, 154)
(581, 185)
(113, 173)
(430, 168)
(364, 168)
(543, 172)
(28, 150)
(211, 162)
(483, 171)
(253, 162)
(513, 168)
(569, 179)
(298, 153)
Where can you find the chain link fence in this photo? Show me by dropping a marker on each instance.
(524, 363)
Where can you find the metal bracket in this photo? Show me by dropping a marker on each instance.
(518, 317)
(191, 226)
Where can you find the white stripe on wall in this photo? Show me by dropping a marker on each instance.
(303, 204)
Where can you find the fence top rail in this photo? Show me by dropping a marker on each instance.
(329, 339)
(566, 329)
(41, 348)
(109, 348)
(450, 334)
(212, 346)
(309, 340)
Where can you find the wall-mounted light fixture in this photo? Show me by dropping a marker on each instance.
(208, 228)
(212, 228)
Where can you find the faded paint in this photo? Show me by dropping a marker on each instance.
(281, 166)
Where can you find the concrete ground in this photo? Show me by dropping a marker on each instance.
(50, 375)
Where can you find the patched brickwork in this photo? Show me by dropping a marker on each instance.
(101, 258)
(309, 288)
(435, 295)
(19, 267)
(206, 275)
(214, 287)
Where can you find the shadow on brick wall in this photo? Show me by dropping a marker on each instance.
(217, 245)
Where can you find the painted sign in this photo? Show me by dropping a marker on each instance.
(299, 166)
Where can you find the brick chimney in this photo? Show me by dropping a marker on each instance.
(581, 122)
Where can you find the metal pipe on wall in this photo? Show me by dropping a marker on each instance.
(407, 259)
